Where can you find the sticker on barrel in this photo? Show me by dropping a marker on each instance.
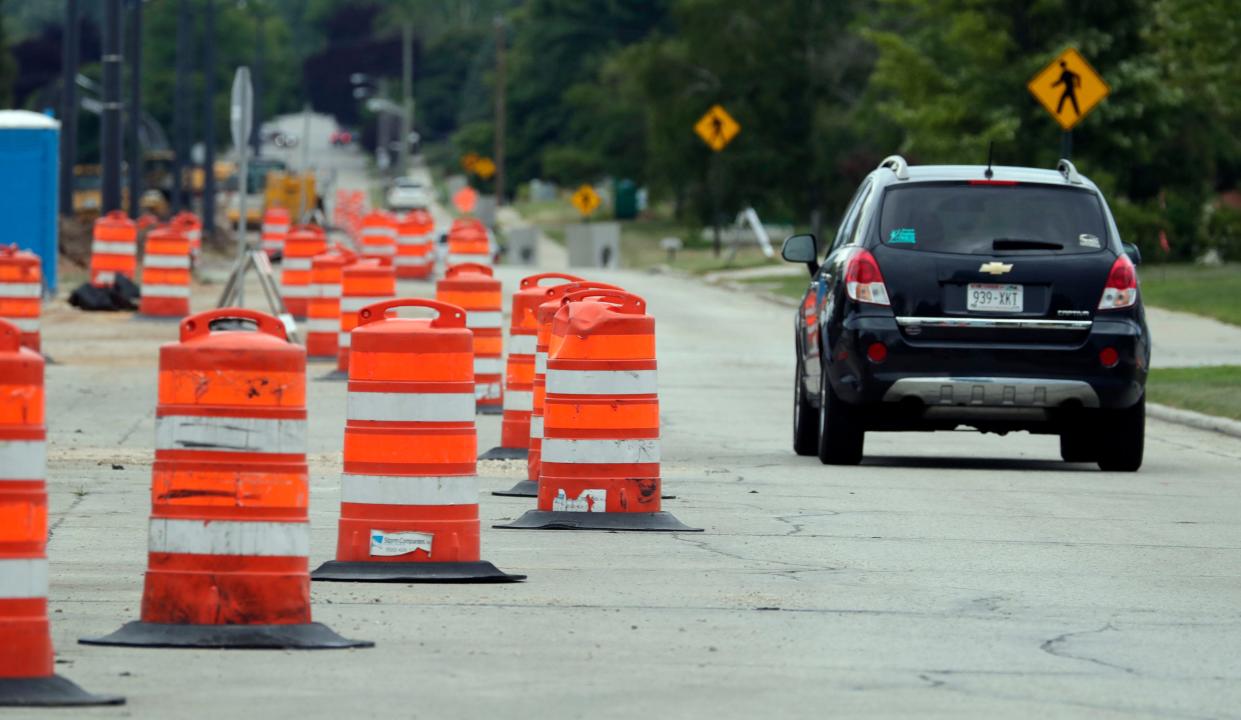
(392, 544)
(587, 501)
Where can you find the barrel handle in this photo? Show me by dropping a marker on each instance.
(555, 292)
(533, 280)
(627, 302)
(10, 337)
(450, 316)
(468, 267)
(200, 324)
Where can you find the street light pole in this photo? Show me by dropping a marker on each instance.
(407, 94)
(135, 107)
(256, 131)
(69, 106)
(208, 208)
(110, 127)
(180, 107)
(501, 111)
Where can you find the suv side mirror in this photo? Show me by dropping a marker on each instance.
(801, 249)
(1135, 255)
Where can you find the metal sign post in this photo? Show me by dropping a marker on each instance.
(241, 117)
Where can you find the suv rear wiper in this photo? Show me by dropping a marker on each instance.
(1024, 244)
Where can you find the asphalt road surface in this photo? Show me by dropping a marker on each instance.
(951, 575)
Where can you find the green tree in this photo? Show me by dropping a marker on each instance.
(8, 69)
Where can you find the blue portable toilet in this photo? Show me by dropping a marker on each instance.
(29, 169)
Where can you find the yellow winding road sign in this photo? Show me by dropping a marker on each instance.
(586, 200)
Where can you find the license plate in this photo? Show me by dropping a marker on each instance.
(991, 297)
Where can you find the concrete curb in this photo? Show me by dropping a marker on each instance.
(1195, 420)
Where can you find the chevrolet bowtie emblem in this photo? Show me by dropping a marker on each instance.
(995, 268)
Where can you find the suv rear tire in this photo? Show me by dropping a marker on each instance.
(1122, 438)
(841, 436)
(805, 416)
(1077, 445)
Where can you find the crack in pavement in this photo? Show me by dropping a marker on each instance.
(702, 545)
(1053, 647)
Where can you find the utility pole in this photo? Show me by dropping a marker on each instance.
(180, 107)
(110, 126)
(135, 107)
(501, 111)
(208, 209)
(69, 106)
(256, 131)
(407, 94)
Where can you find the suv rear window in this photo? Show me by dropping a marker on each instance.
(988, 219)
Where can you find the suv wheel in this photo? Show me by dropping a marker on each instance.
(1123, 438)
(805, 416)
(840, 427)
(1076, 444)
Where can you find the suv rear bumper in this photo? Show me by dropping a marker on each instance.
(987, 374)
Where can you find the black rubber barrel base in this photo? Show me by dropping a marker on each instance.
(560, 520)
(53, 691)
(334, 376)
(503, 453)
(413, 572)
(525, 488)
(308, 636)
(490, 410)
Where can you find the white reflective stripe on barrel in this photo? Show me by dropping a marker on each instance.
(519, 400)
(25, 324)
(395, 490)
(483, 320)
(272, 244)
(326, 325)
(295, 291)
(458, 258)
(325, 290)
(601, 382)
(273, 228)
(22, 578)
(23, 460)
(558, 450)
(410, 407)
(378, 231)
(105, 247)
(106, 277)
(20, 290)
(540, 363)
(488, 366)
(342, 340)
(165, 291)
(230, 434)
(296, 263)
(536, 427)
(354, 304)
(374, 249)
(229, 537)
(522, 344)
(413, 260)
(171, 262)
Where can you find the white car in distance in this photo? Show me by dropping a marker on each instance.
(407, 193)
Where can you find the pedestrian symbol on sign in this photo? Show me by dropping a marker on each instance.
(1068, 88)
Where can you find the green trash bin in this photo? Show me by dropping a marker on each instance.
(626, 194)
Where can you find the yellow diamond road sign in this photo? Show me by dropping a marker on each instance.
(717, 128)
(1069, 88)
(586, 200)
(484, 168)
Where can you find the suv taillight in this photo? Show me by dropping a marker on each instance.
(863, 281)
(1121, 290)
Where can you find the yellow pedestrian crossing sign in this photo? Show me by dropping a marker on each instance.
(717, 128)
(484, 168)
(586, 200)
(1069, 88)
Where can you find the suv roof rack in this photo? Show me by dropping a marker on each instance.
(1065, 167)
(898, 166)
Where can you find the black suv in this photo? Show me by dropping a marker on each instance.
(1000, 299)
